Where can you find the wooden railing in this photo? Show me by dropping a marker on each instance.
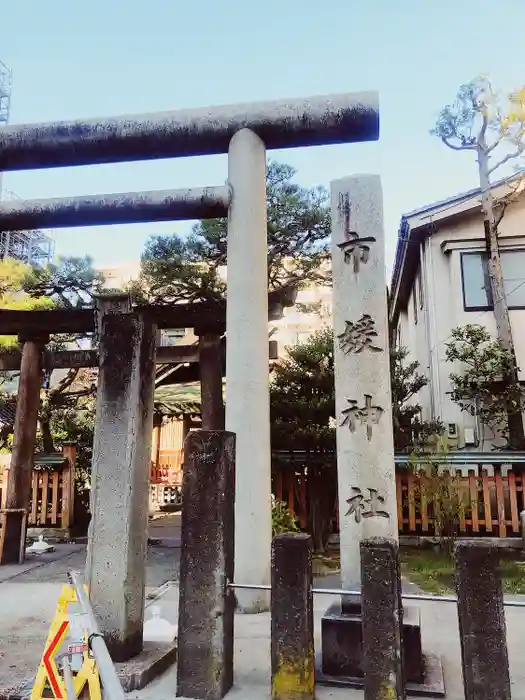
(473, 505)
(52, 496)
(468, 494)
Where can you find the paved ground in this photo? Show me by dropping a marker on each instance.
(252, 652)
(28, 599)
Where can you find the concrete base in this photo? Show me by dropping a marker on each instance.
(342, 641)
(432, 684)
(151, 663)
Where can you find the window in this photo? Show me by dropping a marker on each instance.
(477, 294)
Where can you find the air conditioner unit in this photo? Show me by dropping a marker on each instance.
(469, 436)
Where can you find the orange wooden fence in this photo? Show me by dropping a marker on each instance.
(168, 471)
(52, 496)
(481, 505)
(473, 505)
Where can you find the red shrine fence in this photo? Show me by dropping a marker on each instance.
(482, 497)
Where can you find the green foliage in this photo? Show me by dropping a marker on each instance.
(302, 399)
(479, 119)
(71, 282)
(411, 433)
(188, 268)
(283, 520)
(302, 410)
(68, 402)
(487, 384)
(302, 396)
(15, 276)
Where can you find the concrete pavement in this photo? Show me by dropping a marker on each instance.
(26, 610)
(28, 601)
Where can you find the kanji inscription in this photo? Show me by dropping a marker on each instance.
(361, 507)
(358, 336)
(355, 248)
(366, 415)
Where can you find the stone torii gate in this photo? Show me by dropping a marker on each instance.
(245, 132)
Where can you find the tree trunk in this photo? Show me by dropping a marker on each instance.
(322, 499)
(499, 299)
(47, 437)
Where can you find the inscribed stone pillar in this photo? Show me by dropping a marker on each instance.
(365, 448)
(247, 374)
(110, 304)
(120, 480)
(19, 482)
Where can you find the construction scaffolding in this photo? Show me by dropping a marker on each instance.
(5, 93)
(33, 247)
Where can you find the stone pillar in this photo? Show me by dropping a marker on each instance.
(481, 617)
(382, 613)
(210, 369)
(21, 467)
(247, 364)
(365, 447)
(206, 605)
(110, 304)
(120, 480)
(104, 304)
(292, 638)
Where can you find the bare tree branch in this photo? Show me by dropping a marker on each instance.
(457, 148)
(509, 156)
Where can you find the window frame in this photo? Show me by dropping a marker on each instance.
(484, 255)
(488, 307)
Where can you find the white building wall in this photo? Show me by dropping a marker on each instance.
(444, 309)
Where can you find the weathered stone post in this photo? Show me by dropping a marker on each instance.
(210, 368)
(292, 640)
(365, 446)
(110, 304)
(104, 304)
(120, 479)
(206, 605)
(382, 620)
(482, 628)
(12, 542)
(247, 374)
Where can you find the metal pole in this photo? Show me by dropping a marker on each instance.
(405, 596)
(110, 680)
(68, 679)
